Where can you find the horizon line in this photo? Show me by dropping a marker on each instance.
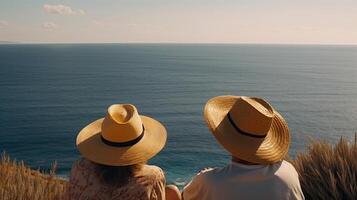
(180, 43)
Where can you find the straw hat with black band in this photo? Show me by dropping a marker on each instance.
(122, 137)
(248, 127)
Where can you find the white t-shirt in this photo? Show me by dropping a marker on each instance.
(238, 181)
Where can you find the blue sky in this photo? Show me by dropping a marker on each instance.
(181, 21)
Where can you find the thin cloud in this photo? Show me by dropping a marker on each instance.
(97, 22)
(49, 26)
(3, 23)
(62, 10)
(103, 23)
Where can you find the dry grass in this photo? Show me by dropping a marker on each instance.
(328, 171)
(18, 181)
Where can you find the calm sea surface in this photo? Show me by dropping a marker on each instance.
(49, 92)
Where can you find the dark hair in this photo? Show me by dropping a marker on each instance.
(117, 175)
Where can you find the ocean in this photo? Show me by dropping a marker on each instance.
(49, 92)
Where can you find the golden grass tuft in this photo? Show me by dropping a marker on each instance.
(18, 181)
(328, 171)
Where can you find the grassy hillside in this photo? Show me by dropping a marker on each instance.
(326, 172)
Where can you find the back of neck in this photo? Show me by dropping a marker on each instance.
(237, 160)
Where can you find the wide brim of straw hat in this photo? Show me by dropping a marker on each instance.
(91, 146)
(267, 150)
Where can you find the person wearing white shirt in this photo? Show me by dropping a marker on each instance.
(258, 139)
